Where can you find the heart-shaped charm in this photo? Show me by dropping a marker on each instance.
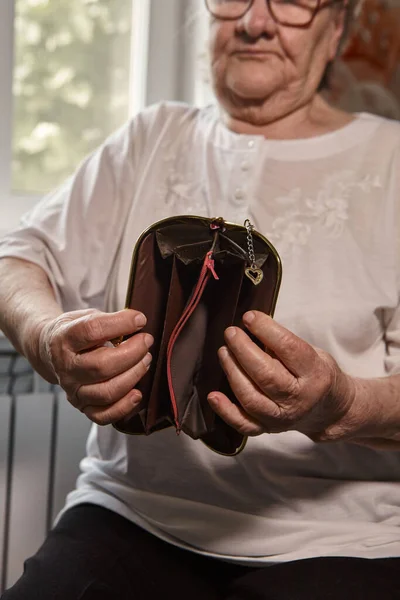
(255, 275)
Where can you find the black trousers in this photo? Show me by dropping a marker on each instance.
(94, 554)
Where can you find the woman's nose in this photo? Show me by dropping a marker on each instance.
(258, 19)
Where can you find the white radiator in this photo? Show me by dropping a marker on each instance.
(42, 439)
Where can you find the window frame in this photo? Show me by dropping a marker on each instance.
(6, 102)
(161, 69)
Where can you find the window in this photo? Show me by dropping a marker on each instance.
(71, 72)
(70, 84)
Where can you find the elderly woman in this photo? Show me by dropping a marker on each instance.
(291, 517)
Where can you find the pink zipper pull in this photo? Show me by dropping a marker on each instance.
(210, 263)
(208, 267)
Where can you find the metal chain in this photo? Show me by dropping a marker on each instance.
(250, 245)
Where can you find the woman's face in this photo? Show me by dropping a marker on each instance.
(268, 68)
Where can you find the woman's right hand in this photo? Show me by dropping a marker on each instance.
(98, 378)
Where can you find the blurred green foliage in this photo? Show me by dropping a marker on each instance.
(71, 84)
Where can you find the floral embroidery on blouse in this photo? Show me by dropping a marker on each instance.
(329, 210)
(182, 191)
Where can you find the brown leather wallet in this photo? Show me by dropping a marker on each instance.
(193, 277)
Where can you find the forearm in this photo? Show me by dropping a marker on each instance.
(27, 303)
(383, 429)
(374, 418)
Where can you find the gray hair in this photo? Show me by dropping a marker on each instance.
(352, 10)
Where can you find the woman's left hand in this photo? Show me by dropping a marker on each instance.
(289, 386)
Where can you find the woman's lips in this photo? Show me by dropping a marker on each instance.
(255, 56)
(254, 52)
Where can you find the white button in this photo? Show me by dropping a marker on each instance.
(239, 197)
(245, 166)
(251, 144)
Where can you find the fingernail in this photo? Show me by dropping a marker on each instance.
(149, 340)
(223, 352)
(230, 333)
(136, 400)
(136, 396)
(147, 360)
(140, 320)
(213, 399)
(249, 317)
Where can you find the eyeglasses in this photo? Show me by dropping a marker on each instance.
(293, 13)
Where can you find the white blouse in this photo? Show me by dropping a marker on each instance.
(330, 205)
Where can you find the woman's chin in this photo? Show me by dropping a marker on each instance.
(248, 90)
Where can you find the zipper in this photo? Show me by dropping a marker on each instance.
(207, 271)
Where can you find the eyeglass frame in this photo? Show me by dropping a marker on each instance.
(319, 6)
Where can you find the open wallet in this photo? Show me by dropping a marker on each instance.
(193, 277)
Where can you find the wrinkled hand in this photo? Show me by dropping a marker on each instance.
(99, 379)
(289, 386)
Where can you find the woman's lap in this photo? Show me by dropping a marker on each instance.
(336, 578)
(95, 554)
(92, 551)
